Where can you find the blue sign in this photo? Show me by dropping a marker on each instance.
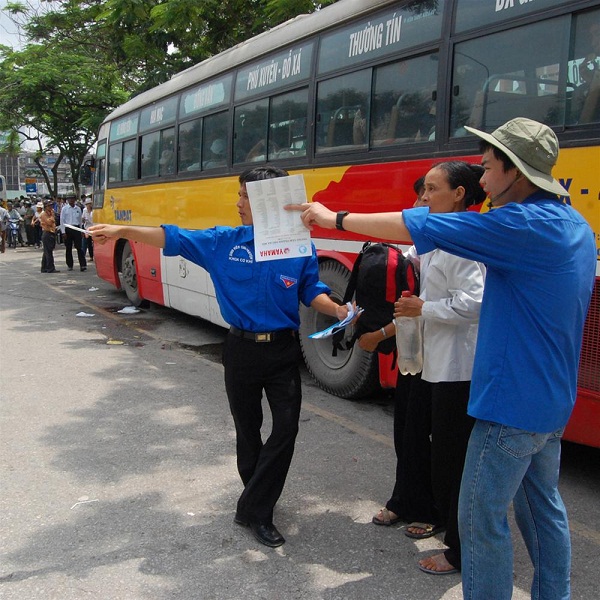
(31, 188)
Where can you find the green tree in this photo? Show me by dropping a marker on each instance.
(149, 41)
(60, 94)
(85, 57)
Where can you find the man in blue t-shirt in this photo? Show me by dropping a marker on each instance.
(541, 261)
(260, 301)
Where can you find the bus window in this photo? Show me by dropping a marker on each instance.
(150, 154)
(166, 162)
(115, 158)
(129, 161)
(250, 132)
(287, 125)
(100, 167)
(404, 102)
(158, 153)
(491, 87)
(343, 109)
(190, 138)
(583, 76)
(214, 145)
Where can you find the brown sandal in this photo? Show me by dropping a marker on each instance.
(384, 517)
(429, 530)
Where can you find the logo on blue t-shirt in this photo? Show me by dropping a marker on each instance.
(288, 281)
(241, 254)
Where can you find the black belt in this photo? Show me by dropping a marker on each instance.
(263, 336)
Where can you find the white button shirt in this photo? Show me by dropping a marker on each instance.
(70, 215)
(452, 289)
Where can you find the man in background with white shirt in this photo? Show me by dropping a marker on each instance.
(71, 215)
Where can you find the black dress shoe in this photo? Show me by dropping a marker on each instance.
(53, 271)
(267, 534)
(83, 269)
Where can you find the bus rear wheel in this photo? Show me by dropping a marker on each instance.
(352, 373)
(128, 275)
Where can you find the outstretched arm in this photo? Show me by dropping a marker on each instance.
(389, 226)
(153, 236)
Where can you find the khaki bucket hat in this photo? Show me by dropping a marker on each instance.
(532, 147)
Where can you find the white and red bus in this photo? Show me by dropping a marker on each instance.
(361, 98)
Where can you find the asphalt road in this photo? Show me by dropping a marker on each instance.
(118, 477)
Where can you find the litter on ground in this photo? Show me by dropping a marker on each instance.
(129, 310)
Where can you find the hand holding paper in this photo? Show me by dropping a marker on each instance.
(352, 314)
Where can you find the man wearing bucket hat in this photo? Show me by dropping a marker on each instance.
(541, 260)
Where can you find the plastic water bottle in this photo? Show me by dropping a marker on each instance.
(409, 342)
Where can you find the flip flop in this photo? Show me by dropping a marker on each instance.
(438, 572)
(387, 520)
(429, 530)
(433, 572)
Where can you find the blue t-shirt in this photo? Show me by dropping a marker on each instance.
(255, 296)
(541, 261)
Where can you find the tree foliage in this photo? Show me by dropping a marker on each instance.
(85, 57)
(60, 94)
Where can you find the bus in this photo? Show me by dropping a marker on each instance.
(361, 98)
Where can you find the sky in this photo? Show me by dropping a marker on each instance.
(8, 32)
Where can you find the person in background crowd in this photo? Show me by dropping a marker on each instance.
(22, 209)
(48, 224)
(29, 229)
(3, 226)
(87, 220)
(57, 205)
(540, 255)
(14, 215)
(71, 215)
(36, 224)
(260, 300)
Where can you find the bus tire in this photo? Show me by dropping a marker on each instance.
(352, 373)
(128, 275)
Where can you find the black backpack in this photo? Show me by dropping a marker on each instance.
(379, 276)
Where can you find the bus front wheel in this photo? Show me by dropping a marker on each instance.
(128, 275)
(349, 373)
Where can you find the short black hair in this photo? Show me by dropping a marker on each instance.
(419, 184)
(507, 164)
(260, 173)
(467, 175)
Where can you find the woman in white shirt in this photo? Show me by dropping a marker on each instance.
(449, 304)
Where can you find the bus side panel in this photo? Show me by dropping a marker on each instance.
(106, 265)
(584, 425)
(149, 272)
(189, 288)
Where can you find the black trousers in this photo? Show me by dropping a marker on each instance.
(412, 498)
(450, 431)
(87, 243)
(74, 238)
(30, 231)
(48, 244)
(251, 368)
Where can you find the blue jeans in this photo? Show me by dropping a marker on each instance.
(505, 465)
